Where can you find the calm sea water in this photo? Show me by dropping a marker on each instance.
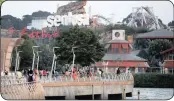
(153, 93)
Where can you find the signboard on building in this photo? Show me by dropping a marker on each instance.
(78, 19)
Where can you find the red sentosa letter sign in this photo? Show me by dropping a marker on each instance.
(36, 34)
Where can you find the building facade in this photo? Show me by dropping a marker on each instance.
(168, 57)
(157, 34)
(118, 55)
(38, 23)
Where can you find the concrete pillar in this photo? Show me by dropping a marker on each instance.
(106, 69)
(70, 97)
(136, 70)
(104, 96)
(143, 70)
(69, 93)
(123, 94)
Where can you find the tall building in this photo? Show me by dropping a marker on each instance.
(38, 23)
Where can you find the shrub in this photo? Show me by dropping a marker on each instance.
(154, 80)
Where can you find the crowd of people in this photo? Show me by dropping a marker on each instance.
(86, 73)
(35, 75)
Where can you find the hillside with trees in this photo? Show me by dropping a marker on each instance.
(8, 21)
(171, 23)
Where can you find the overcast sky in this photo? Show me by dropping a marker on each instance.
(120, 9)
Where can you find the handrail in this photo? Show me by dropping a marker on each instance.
(100, 78)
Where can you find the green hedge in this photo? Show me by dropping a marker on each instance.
(154, 80)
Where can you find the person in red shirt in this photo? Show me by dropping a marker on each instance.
(74, 75)
(44, 73)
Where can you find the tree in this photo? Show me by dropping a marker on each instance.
(41, 14)
(89, 49)
(143, 54)
(158, 45)
(8, 21)
(141, 44)
(171, 23)
(27, 53)
(26, 19)
(46, 57)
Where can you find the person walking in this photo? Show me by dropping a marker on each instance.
(118, 71)
(129, 71)
(30, 76)
(6, 72)
(30, 80)
(101, 72)
(40, 74)
(74, 75)
(47, 73)
(44, 74)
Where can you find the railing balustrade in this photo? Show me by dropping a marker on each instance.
(92, 78)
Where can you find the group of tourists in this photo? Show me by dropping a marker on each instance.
(35, 75)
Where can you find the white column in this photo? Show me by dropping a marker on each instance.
(127, 69)
(136, 70)
(143, 70)
(106, 69)
(166, 70)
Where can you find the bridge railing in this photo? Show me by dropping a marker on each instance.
(5, 80)
(13, 88)
(91, 78)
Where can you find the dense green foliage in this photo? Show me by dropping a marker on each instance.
(141, 44)
(8, 21)
(46, 57)
(158, 45)
(40, 14)
(26, 20)
(143, 54)
(89, 49)
(171, 23)
(152, 80)
(150, 50)
(27, 53)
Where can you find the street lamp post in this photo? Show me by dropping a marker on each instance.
(38, 58)
(18, 58)
(34, 56)
(17, 54)
(54, 57)
(3, 69)
(73, 59)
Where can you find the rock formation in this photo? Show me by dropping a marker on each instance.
(74, 7)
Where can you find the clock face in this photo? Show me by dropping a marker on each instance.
(117, 34)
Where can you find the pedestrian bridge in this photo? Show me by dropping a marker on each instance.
(110, 86)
